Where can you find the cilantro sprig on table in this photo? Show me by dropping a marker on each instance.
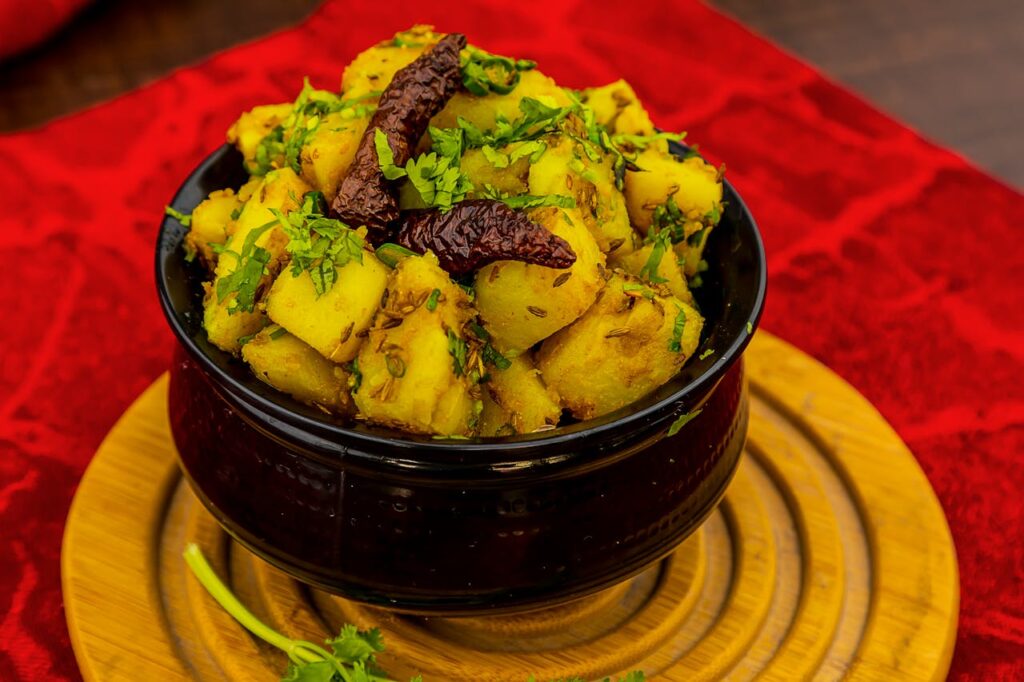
(352, 656)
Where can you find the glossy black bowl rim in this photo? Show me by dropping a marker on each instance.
(411, 451)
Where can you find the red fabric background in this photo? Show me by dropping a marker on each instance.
(891, 260)
(23, 23)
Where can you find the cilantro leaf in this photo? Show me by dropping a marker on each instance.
(675, 344)
(458, 349)
(386, 157)
(244, 280)
(660, 245)
(682, 421)
(484, 73)
(318, 245)
(316, 671)
(184, 218)
(356, 646)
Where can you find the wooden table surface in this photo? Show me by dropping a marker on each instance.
(954, 70)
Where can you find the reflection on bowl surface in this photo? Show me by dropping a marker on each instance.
(459, 526)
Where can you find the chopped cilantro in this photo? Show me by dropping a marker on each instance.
(682, 421)
(282, 146)
(432, 300)
(184, 218)
(457, 348)
(659, 246)
(250, 266)
(389, 253)
(639, 289)
(319, 245)
(675, 344)
(706, 354)
(356, 380)
(277, 333)
(491, 356)
(524, 201)
(484, 73)
(438, 179)
(750, 328)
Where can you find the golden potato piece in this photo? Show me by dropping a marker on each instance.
(281, 189)
(252, 126)
(332, 323)
(415, 364)
(522, 394)
(289, 365)
(617, 107)
(693, 183)
(373, 69)
(211, 220)
(624, 347)
(668, 270)
(329, 151)
(521, 304)
(494, 420)
(565, 169)
(482, 172)
(483, 111)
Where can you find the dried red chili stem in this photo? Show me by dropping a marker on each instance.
(481, 231)
(414, 96)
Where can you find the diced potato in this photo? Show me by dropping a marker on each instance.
(329, 151)
(252, 126)
(281, 189)
(408, 363)
(566, 170)
(694, 183)
(289, 365)
(521, 392)
(210, 223)
(373, 69)
(521, 304)
(483, 111)
(495, 420)
(668, 270)
(620, 350)
(617, 107)
(481, 172)
(334, 322)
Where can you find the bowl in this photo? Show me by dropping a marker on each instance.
(459, 527)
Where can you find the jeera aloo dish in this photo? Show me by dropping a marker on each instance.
(454, 245)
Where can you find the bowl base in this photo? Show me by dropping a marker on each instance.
(828, 551)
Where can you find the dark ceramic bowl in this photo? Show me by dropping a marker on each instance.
(456, 527)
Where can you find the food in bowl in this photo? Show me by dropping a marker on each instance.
(453, 245)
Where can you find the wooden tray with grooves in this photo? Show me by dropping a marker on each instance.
(828, 559)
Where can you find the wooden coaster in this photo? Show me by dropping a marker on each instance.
(829, 558)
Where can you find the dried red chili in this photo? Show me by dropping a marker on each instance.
(416, 93)
(480, 231)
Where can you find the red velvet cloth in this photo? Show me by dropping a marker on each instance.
(24, 23)
(890, 259)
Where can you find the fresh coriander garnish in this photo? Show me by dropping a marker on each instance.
(484, 73)
(537, 119)
(389, 253)
(660, 246)
(682, 421)
(319, 245)
(438, 179)
(285, 141)
(637, 290)
(184, 218)
(750, 328)
(457, 348)
(435, 295)
(706, 354)
(250, 266)
(356, 380)
(525, 201)
(277, 333)
(675, 344)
